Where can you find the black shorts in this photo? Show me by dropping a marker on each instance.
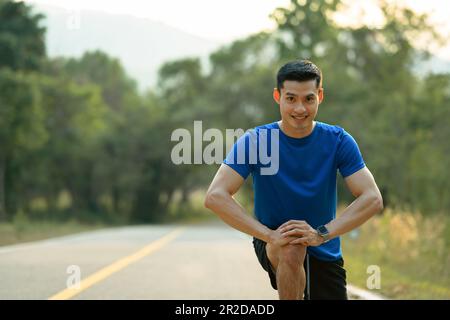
(325, 280)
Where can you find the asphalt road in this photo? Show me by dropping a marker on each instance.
(209, 261)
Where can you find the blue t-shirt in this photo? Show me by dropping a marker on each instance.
(299, 181)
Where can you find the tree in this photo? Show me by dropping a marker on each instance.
(22, 44)
(22, 48)
(21, 130)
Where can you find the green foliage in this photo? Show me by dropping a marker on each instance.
(20, 221)
(22, 44)
(78, 127)
(21, 132)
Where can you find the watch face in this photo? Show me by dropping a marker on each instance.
(322, 229)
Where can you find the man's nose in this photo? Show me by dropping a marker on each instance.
(300, 108)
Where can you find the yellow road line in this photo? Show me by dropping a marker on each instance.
(117, 266)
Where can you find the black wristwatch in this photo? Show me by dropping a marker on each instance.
(324, 233)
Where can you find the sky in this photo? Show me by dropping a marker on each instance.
(227, 20)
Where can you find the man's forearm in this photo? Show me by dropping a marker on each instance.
(232, 213)
(358, 212)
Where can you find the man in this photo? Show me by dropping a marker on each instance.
(295, 208)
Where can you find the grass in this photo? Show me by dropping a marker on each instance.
(412, 252)
(23, 230)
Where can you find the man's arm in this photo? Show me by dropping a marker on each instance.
(368, 202)
(219, 198)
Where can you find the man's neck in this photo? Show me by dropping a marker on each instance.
(296, 133)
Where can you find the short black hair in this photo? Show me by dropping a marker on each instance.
(299, 70)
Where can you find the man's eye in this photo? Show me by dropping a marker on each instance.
(310, 99)
(290, 99)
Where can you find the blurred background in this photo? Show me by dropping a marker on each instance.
(90, 92)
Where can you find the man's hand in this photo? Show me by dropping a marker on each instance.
(278, 239)
(302, 232)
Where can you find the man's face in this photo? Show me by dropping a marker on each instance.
(299, 102)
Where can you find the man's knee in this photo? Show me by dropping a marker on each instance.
(293, 255)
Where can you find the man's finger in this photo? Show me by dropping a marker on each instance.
(291, 222)
(302, 227)
(302, 241)
(296, 231)
(296, 224)
(286, 241)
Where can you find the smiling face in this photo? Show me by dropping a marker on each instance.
(299, 102)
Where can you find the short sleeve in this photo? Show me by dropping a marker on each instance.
(240, 157)
(349, 157)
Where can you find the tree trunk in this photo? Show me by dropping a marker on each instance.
(3, 214)
(168, 200)
(184, 195)
(115, 199)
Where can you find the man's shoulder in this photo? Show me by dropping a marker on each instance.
(330, 128)
(333, 131)
(265, 128)
(338, 135)
(253, 133)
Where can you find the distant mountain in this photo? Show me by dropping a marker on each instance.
(141, 44)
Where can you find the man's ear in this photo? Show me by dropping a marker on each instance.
(276, 95)
(321, 96)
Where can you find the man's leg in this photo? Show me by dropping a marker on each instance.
(328, 279)
(287, 262)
